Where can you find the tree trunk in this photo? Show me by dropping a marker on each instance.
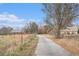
(58, 34)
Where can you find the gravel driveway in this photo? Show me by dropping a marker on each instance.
(46, 47)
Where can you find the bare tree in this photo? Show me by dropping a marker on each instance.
(61, 15)
(6, 30)
(33, 27)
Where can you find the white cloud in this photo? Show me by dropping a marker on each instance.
(12, 16)
(12, 20)
(31, 20)
(9, 17)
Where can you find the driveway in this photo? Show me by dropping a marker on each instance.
(47, 47)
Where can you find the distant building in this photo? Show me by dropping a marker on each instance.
(70, 31)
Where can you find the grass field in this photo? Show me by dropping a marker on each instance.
(71, 45)
(17, 45)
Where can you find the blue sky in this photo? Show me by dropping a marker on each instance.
(17, 15)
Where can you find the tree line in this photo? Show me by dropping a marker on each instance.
(31, 28)
(34, 28)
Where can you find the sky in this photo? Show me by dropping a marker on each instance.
(18, 15)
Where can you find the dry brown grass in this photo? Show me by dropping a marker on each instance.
(18, 45)
(14, 37)
(71, 45)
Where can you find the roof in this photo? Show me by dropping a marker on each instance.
(68, 29)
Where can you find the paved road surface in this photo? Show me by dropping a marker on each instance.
(46, 47)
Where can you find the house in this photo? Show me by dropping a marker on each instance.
(70, 31)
